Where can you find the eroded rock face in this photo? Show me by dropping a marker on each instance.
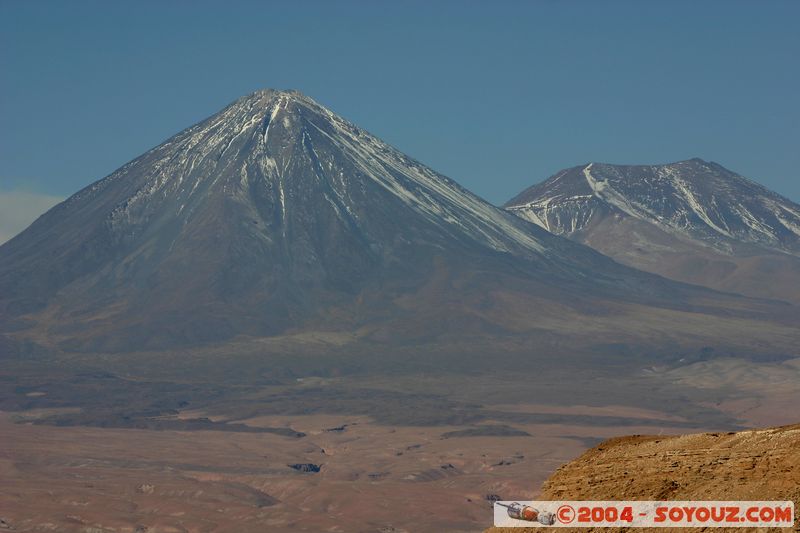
(748, 465)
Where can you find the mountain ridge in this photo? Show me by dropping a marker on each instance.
(691, 221)
(695, 198)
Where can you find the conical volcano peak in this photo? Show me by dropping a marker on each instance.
(268, 93)
(285, 147)
(267, 103)
(274, 199)
(266, 121)
(296, 170)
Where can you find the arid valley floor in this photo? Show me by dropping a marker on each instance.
(374, 475)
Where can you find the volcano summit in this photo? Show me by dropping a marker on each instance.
(692, 221)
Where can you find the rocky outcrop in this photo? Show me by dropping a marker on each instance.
(748, 465)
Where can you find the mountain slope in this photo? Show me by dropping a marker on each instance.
(276, 215)
(692, 221)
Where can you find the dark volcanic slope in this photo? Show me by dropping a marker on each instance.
(692, 221)
(276, 215)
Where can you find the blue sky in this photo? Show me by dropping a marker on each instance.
(498, 95)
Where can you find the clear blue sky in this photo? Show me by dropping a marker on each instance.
(497, 95)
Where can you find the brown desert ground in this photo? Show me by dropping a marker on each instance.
(372, 478)
(389, 462)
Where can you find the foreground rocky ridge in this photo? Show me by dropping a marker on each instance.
(748, 465)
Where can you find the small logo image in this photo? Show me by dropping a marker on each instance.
(527, 513)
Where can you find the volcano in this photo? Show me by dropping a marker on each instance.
(275, 216)
(693, 221)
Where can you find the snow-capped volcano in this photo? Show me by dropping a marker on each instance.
(256, 220)
(692, 221)
(280, 157)
(694, 198)
(275, 215)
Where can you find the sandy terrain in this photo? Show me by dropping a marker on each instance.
(373, 478)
